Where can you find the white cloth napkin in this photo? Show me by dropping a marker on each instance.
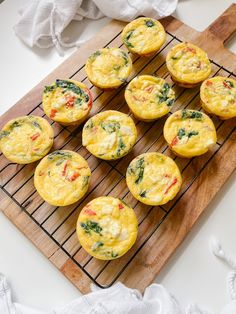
(121, 300)
(42, 21)
(115, 300)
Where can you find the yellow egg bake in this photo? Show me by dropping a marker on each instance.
(108, 68)
(107, 227)
(218, 96)
(62, 177)
(149, 97)
(188, 64)
(153, 178)
(26, 139)
(144, 36)
(67, 102)
(189, 133)
(109, 135)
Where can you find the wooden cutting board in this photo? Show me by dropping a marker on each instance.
(161, 228)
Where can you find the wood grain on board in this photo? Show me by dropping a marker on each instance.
(161, 228)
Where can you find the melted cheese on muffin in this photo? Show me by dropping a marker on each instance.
(109, 135)
(67, 102)
(218, 96)
(26, 139)
(189, 133)
(108, 67)
(188, 63)
(143, 36)
(149, 97)
(153, 178)
(62, 177)
(107, 228)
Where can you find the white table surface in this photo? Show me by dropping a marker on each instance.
(192, 274)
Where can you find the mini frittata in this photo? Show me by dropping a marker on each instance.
(67, 102)
(189, 133)
(109, 135)
(107, 228)
(149, 97)
(188, 65)
(62, 177)
(218, 96)
(153, 178)
(26, 139)
(108, 68)
(144, 36)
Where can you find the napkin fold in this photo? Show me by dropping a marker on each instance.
(42, 22)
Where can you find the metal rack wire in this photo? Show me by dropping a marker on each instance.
(9, 176)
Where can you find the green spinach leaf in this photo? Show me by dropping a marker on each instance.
(89, 124)
(164, 95)
(121, 146)
(181, 133)
(4, 134)
(50, 88)
(89, 226)
(97, 245)
(37, 125)
(59, 154)
(139, 170)
(192, 133)
(149, 23)
(191, 115)
(126, 39)
(143, 193)
(85, 181)
(229, 83)
(69, 86)
(110, 126)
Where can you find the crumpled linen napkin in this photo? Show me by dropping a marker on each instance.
(115, 300)
(42, 21)
(122, 300)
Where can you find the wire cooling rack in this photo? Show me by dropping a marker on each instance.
(108, 177)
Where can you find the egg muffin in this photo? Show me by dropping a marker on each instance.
(218, 96)
(153, 178)
(67, 102)
(108, 68)
(26, 139)
(188, 65)
(189, 133)
(109, 135)
(149, 97)
(143, 36)
(62, 177)
(107, 227)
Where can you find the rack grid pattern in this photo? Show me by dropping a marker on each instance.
(108, 177)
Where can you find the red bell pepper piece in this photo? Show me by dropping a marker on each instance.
(208, 83)
(90, 212)
(74, 176)
(65, 168)
(90, 103)
(170, 186)
(149, 89)
(190, 49)
(121, 206)
(53, 113)
(139, 99)
(35, 136)
(79, 168)
(226, 85)
(70, 100)
(174, 141)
